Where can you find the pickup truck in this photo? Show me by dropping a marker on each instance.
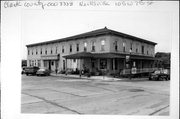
(31, 70)
(158, 75)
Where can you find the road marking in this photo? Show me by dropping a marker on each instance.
(158, 110)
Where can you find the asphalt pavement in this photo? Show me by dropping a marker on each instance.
(60, 94)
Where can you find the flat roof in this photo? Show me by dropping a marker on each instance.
(98, 32)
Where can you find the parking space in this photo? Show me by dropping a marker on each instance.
(57, 94)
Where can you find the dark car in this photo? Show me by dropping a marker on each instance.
(23, 70)
(163, 74)
(43, 72)
(31, 70)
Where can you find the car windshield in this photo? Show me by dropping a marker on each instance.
(41, 69)
(157, 72)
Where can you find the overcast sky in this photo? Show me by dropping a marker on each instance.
(44, 25)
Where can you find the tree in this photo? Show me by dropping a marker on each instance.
(163, 60)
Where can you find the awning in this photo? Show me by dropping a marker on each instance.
(83, 55)
(109, 55)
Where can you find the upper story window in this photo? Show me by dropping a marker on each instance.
(51, 51)
(147, 52)
(46, 51)
(28, 52)
(32, 52)
(41, 50)
(56, 49)
(77, 47)
(115, 46)
(136, 50)
(102, 45)
(142, 49)
(63, 49)
(85, 46)
(70, 48)
(124, 47)
(131, 45)
(36, 52)
(93, 46)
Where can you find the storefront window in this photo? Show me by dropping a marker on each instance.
(103, 63)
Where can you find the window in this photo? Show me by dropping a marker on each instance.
(29, 62)
(102, 45)
(124, 47)
(116, 64)
(116, 46)
(64, 64)
(52, 63)
(142, 48)
(93, 46)
(32, 52)
(41, 50)
(36, 52)
(85, 46)
(46, 51)
(136, 50)
(77, 47)
(70, 48)
(28, 52)
(131, 45)
(56, 49)
(137, 47)
(51, 51)
(103, 63)
(147, 52)
(62, 49)
(39, 63)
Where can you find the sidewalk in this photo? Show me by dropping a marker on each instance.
(103, 78)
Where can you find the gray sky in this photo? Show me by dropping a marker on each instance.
(44, 25)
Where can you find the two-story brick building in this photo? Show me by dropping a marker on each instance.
(95, 50)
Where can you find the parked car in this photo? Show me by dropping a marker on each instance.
(43, 72)
(31, 70)
(23, 70)
(163, 74)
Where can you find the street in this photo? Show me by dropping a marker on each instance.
(63, 95)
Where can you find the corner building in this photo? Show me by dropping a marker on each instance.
(101, 49)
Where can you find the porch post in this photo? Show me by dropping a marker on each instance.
(80, 68)
(66, 66)
(113, 64)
